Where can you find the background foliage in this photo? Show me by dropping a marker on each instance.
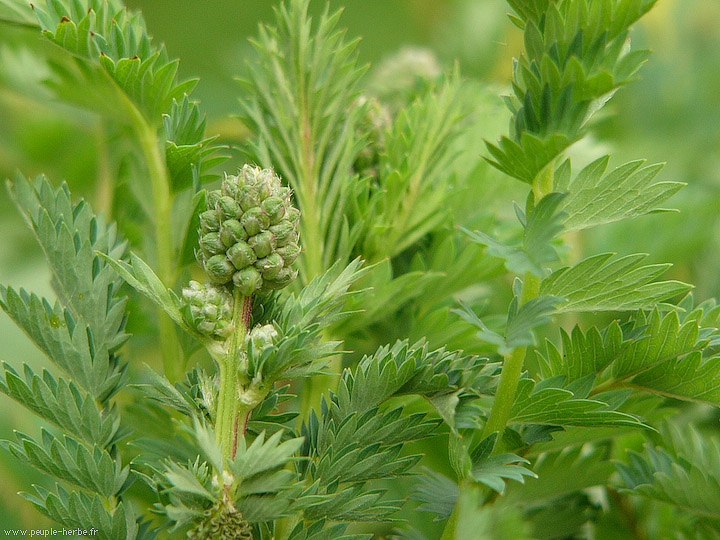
(671, 115)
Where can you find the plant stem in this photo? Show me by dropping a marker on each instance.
(469, 499)
(505, 395)
(228, 411)
(162, 204)
(513, 362)
(510, 375)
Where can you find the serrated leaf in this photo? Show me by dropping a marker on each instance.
(560, 473)
(62, 403)
(604, 283)
(493, 471)
(683, 473)
(626, 192)
(142, 278)
(437, 493)
(549, 403)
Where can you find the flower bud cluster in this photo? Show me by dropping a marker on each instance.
(248, 234)
(222, 523)
(263, 336)
(210, 309)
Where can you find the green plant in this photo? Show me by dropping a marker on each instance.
(335, 330)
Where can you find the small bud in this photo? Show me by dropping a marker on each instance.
(286, 276)
(274, 208)
(219, 269)
(211, 312)
(206, 327)
(223, 329)
(230, 187)
(263, 336)
(270, 266)
(210, 309)
(254, 221)
(293, 214)
(282, 232)
(209, 221)
(232, 232)
(241, 255)
(247, 198)
(221, 523)
(227, 208)
(246, 220)
(262, 244)
(211, 244)
(248, 280)
(289, 253)
(213, 197)
(213, 297)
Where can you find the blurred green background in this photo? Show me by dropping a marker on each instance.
(672, 114)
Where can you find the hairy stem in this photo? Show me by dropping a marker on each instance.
(228, 411)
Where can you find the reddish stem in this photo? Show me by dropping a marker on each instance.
(242, 433)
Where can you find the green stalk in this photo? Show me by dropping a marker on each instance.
(510, 374)
(313, 248)
(469, 498)
(162, 204)
(228, 410)
(513, 363)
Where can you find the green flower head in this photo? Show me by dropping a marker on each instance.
(248, 234)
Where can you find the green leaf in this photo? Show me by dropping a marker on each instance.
(107, 36)
(549, 403)
(522, 319)
(310, 131)
(626, 192)
(90, 468)
(17, 11)
(656, 353)
(76, 510)
(584, 354)
(604, 283)
(82, 331)
(683, 472)
(69, 235)
(299, 319)
(142, 278)
(159, 389)
(576, 58)
(542, 225)
(561, 473)
(319, 530)
(262, 456)
(414, 184)
(352, 441)
(437, 493)
(62, 403)
(494, 470)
